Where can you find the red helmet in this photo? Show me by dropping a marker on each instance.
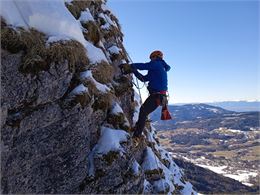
(156, 54)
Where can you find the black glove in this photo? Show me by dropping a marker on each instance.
(126, 68)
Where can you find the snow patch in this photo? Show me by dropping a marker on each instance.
(116, 109)
(114, 50)
(88, 75)
(108, 21)
(136, 168)
(110, 140)
(147, 187)
(137, 100)
(151, 161)
(86, 16)
(58, 38)
(80, 89)
(51, 18)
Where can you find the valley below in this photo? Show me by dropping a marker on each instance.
(215, 146)
(231, 153)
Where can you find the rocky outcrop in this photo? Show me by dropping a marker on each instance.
(65, 119)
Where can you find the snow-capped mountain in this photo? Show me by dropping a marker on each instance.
(206, 117)
(238, 106)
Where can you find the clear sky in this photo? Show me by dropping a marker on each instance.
(212, 46)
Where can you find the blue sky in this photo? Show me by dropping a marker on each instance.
(212, 46)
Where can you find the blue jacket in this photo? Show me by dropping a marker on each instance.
(157, 74)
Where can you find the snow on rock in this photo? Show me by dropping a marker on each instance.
(178, 179)
(150, 137)
(137, 100)
(105, 8)
(151, 161)
(110, 140)
(108, 21)
(68, 1)
(88, 75)
(161, 186)
(136, 168)
(58, 38)
(51, 18)
(114, 50)
(81, 89)
(94, 54)
(148, 188)
(116, 109)
(172, 174)
(86, 16)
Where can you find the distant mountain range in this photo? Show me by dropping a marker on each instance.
(204, 116)
(238, 106)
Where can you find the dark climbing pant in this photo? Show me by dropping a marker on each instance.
(150, 104)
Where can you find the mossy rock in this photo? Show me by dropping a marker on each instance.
(124, 127)
(11, 40)
(178, 189)
(102, 102)
(154, 174)
(83, 99)
(116, 57)
(165, 190)
(103, 72)
(99, 173)
(110, 157)
(91, 86)
(111, 32)
(33, 64)
(71, 51)
(166, 162)
(77, 6)
(101, 21)
(122, 85)
(36, 56)
(118, 121)
(93, 33)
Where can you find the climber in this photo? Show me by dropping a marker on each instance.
(157, 87)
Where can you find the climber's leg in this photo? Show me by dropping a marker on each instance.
(148, 106)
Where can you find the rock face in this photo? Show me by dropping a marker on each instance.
(65, 122)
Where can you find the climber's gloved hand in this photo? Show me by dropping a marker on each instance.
(126, 68)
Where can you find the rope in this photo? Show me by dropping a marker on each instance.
(137, 83)
(21, 14)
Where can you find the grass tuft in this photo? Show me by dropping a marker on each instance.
(103, 72)
(71, 51)
(103, 102)
(122, 85)
(93, 33)
(77, 6)
(37, 56)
